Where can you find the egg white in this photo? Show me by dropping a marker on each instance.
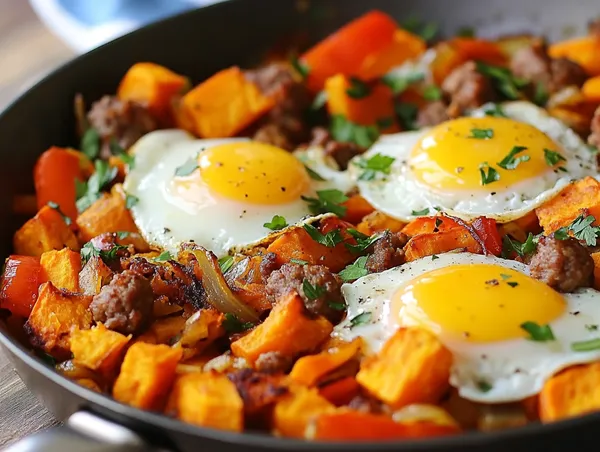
(400, 194)
(515, 369)
(214, 222)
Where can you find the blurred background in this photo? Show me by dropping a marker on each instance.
(38, 35)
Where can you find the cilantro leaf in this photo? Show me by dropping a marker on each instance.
(482, 134)
(300, 66)
(586, 346)
(90, 143)
(90, 192)
(187, 168)
(494, 110)
(312, 292)
(56, 207)
(490, 176)
(399, 83)
(327, 201)
(277, 222)
(538, 333)
(337, 306)
(363, 241)
(234, 325)
(225, 263)
(553, 157)
(432, 93)
(510, 245)
(347, 131)
(420, 213)
(89, 250)
(131, 201)
(319, 101)
(165, 256)
(379, 163)
(582, 230)
(313, 174)
(510, 162)
(360, 319)
(331, 239)
(591, 327)
(355, 270)
(358, 89)
(384, 123)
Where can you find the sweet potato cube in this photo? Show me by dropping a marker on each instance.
(62, 268)
(412, 367)
(200, 331)
(208, 400)
(153, 85)
(309, 369)
(98, 348)
(378, 222)
(45, 232)
(287, 330)
(146, 376)
(572, 392)
(162, 331)
(93, 276)
(54, 317)
(340, 392)
(357, 208)
(107, 214)
(224, 104)
(294, 412)
(581, 197)
(440, 242)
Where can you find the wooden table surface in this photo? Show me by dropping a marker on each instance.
(27, 51)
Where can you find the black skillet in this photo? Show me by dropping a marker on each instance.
(198, 44)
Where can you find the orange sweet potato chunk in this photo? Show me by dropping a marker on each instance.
(572, 392)
(62, 268)
(412, 367)
(98, 348)
(54, 317)
(208, 400)
(440, 242)
(45, 232)
(287, 330)
(294, 412)
(580, 197)
(107, 214)
(146, 376)
(357, 208)
(224, 104)
(378, 222)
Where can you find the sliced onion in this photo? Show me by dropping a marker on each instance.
(218, 293)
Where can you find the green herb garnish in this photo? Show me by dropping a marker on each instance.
(494, 110)
(510, 245)
(89, 192)
(363, 241)
(346, 131)
(300, 67)
(319, 101)
(420, 213)
(327, 201)
(407, 114)
(582, 230)
(510, 162)
(312, 292)
(331, 239)
(488, 174)
(165, 256)
(481, 134)
(541, 95)
(225, 263)
(553, 157)
(313, 174)
(586, 346)
(298, 261)
(90, 143)
(484, 386)
(379, 163)
(432, 93)
(188, 167)
(355, 270)
(277, 222)
(56, 207)
(504, 80)
(131, 201)
(358, 89)
(538, 333)
(399, 83)
(360, 319)
(234, 325)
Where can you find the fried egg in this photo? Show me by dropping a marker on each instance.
(476, 306)
(219, 193)
(499, 167)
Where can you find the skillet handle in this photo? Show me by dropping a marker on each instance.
(83, 432)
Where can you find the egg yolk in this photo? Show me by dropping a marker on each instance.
(454, 154)
(477, 302)
(250, 172)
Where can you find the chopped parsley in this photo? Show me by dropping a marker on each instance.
(225, 263)
(540, 95)
(591, 327)
(358, 89)
(379, 163)
(313, 174)
(582, 230)
(538, 333)
(504, 80)
(511, 161)
(298, 261)
(234, 325)
(488, 174)
(494, 110)
(484, 386)
(426, 30)
(420, 213)
(300, 67)
(360, 319)
(337, 306)
(434, 257)
(89, 250)
(510, 245)
(331, 239)
(165, 256)
(188, 167)
(586, 346)
(117, 150)
(277, 222)
(355, 270)
(512, 283)
(482, 134)
(327, 201)
(363, 241)
(56, 207)
(89, 192)
(504, 276)
(407, 114)
(346, 131)
(432, 93)
(399, 83)
(312, 292)
(131, 201)
(553, 157)
(319, 101)
(90, 143)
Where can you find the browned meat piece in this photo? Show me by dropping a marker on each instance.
(594, 138)
(366, 404)
(125, 304)
(432, 114)
(292, 277)
(342, 153)
(284, 126)
(258, 390)
(387, 252)
(123, 121)
(467, 89)
(273, 362)
(268, 265)
(564, 265)
(566, 73)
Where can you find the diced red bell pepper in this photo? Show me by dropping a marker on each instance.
(19, 286)
(487, 230)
